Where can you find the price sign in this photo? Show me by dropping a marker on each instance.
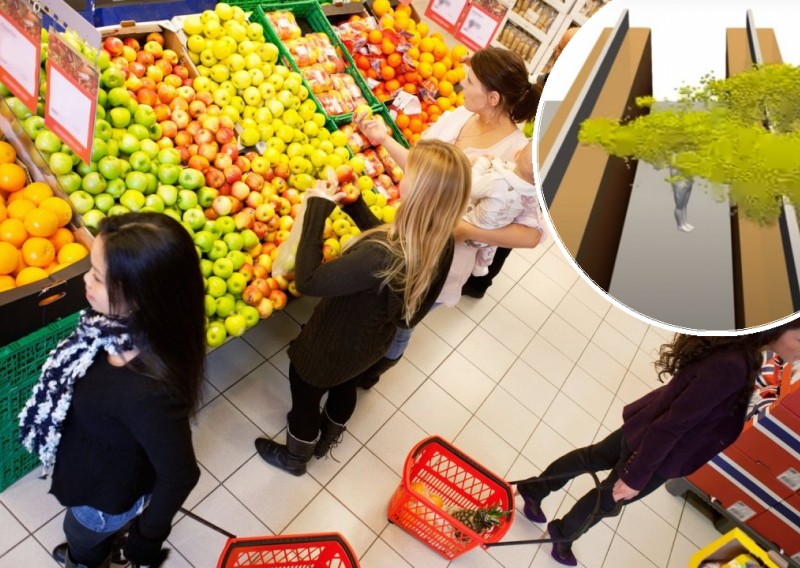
(478, 27)
(71, 101)
(446, 13)
(20, 51)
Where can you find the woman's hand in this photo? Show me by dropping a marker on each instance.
(622, 492)
(325, 190)
(371, 128)
(462, 232)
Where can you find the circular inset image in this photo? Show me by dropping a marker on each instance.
(668, 152)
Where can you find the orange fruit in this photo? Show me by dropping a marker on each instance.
(462, 73)
(437, 35)
(14, 196)
(451, 76)
(387, 73)
(20, 264)
(362, 62)
(413, 53)
(458, 53)
(414, 40)
(414, 139)
(403, 9)
(412, 77)
(7, 153)
(12, 177)
(372, 74)
(72, 252)
(436, 500)
(58, 206)
(439, 70)
(440, 51)
(401, 21)
(426, 45)
(381, 7)
(419, 488)
(38, 252)
(7, 283)
(387, 47)
(41, 223)
(410, 88)
(375, 37)
(435, 117)
(423, 116)
(9, 258)
(427, 58)
(20, 208)
(402, 121)
(3, 212)
(423, 29)
(443, 103)
(387, 23)
(37, 192)
(13, 231)
(392, 85)
(30, 274)
(52, 267)
(61, 237)
(425, 70)
(447, 62)
(445, 88)
(415, 126)
(434, 110)
(394, 60)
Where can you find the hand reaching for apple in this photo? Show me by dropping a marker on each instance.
(326, 190)
(371, 128)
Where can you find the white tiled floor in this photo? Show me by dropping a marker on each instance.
(516, 379)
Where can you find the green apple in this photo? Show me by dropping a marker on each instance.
(119, 97)
(113, 147)
(216, 286)
(145, 115)
(210, 305)
(215, 334)
(225, 306)
(102, 130)
(235, 242)
(110, 168)
(237, 258)
(250, 239)
(33, 126)
(140, 162)
(116, 187)
(214, 228)
(206, 267)
(192, 179)
(93, 183)
(118, 210)
(218, 251)
(81, 201)
(173, 212)
(136, 181)
(133, 200)
(18, 108)
(168, 173)
(205, 195)
(222, 267)
(139, 131)
(250, 315)
(169, 156)
(60, 163)
(187, 200)
(227, 225)
(120, 117)
(85, 169)
(92, 219)
(104, 202)
(112, 77)
(155, 203)
(152, 183)
(195, 219)
(129, 143)
(150, 148)
(235, 325)
(168, 194)
(70, 182)
(204, 240)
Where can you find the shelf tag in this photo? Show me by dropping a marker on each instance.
(446, 13)
(741, 512)
(20, 50)
(791, 478)
(479, 26)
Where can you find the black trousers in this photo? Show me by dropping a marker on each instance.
(482, 283)
(610, 453)
(304, 418)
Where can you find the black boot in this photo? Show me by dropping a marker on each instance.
(371, 376)
(330, 435)
(61, 555)
(292, 457)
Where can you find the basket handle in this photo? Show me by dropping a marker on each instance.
(582, 529)
(209, 524)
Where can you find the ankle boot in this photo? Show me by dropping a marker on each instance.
(371, 376)
(61, 555)
(292, 457)
(330, 436)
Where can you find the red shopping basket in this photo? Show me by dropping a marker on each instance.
(460, 482)
(327, 550)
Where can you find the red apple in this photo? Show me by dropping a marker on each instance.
(199, 163)
(162, 111)
(247, 271)
(113, 45)
(254, 200)
(229, 148)
(252, 295)
(282, 171)
(196, 108)
(242, 163)
(170, 57)
(206, 97)
(233, 174)
(193, 149)
(295, 210)
(222, 161)
(260, 229)
(165, 142)
(254, 181)
(122, 63)
(208, 151)
(179, 103)
(225, 135)
(184, 152)
(169, 129)
(237, 206)
(264, 308)
(166, 93)
(292, 195)
(211, 215)
(251, 155)
(137, 69)
(262, 285)
(222, 205)
(193, 128)
(173, 81)
(345, 173)
(211, 122)
(243, 220)
(149, 83)
(165, 66)
(239, 190)
(272, 223)
(351, 193)
(147, 97)
(204, 136)
(132, 43)
(281, 237)
(188, 82)
(260, 271)
(154, 48)
(214, 178)
(182, 138)
(145, 58)
(181, 71)
(186, 93)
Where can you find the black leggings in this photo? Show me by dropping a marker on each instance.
(304, 418)
(482, 283)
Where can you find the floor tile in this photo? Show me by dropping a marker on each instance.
(665, 505)
(427, 350)
(223, 438)
(564, 337)
(572, 422)
(288, 495)
(323, 470)
(449, 324)
(372, 412)
(175, 560)
(652, 342)
(477, 558)
(412, 550)
(476, 309)
(272, 334)
(543, 288)
(558, 269)
(516, 266)
(648, 533)
(463, 381)
(487, 448)
(205, 485)
(642, 366)
(230, 362)
(13, 532)
(501, 284)
(682, 552)
(281, 361)
(591, 549)
(264, 397)
(613, 418)
(696, 526)
(615, 344)
(628, 325)
(592, 396)
(381, 555)
(508, 418)
(487, 353)
(548, 361)
(435, 411)
(531, 255)
(395, 440)
(529, 387)
(591, 298)
(365, 486)
(632, 389)
(326, 514)
(665, 333)
(508, 329)
(207, 393)
(52, 533)
(28, 553)
(201, 545)
(300, 309)
(399, 382)
(518, 555)
(578, 315)
(30, 502)
(522, 304)
(544, 560)
(545, 446)
(602, 367)
(621, 553)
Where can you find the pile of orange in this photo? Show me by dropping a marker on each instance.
(34, 239)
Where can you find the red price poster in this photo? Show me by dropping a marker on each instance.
(71, 101)
(481, 21)
(20, 48)
(446, 13)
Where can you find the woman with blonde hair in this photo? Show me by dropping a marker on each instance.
(388, 277)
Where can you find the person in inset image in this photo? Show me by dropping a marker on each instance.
(668, 433)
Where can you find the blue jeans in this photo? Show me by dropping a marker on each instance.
(401, 339)
(90, 533)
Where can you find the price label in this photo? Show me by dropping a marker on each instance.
(741, 512)
(71, 101)
(20, 51)
(791, 478)
(446, 13)
(478, 28)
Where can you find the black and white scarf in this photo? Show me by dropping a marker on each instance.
(42, 418)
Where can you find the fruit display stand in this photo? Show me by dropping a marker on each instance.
(730, 547)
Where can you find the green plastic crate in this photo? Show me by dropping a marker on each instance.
(20, 366)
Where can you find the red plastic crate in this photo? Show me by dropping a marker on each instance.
(460, 482)
(328, 550)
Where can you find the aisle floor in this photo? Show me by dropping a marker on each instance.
(540, 365)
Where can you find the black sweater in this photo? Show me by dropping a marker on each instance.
(354, 324)
(125, 436)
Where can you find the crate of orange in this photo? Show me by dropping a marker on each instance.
(43, 248)
(445, 498)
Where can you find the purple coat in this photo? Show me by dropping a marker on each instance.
(679, 427)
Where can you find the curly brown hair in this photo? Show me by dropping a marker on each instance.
(687, 349)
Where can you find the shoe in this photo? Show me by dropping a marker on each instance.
(61, 555)
(371, 376)
(562, 551)
(291, 458)
(533, 508)
(330, 436)
(472, 292)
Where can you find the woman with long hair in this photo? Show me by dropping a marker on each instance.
(387, 277)
(667, 434)
(111, 410)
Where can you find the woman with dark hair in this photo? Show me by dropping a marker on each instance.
(111, 410)
(667, 434)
